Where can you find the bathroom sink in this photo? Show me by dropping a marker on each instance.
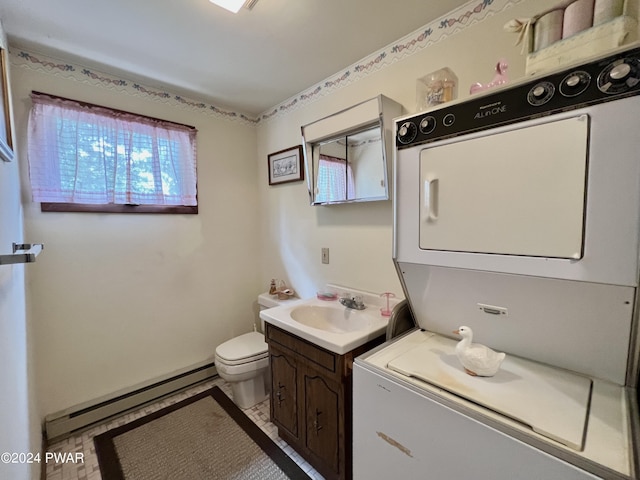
(329, 324)
(336, 318)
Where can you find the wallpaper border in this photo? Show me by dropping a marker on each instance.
(467, 15)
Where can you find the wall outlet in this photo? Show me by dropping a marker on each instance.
(325, 255)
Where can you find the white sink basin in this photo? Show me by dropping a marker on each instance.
(329, 324)
(334, 318)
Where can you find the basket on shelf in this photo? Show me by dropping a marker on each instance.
(575, 30)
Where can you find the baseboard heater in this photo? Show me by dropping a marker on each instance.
(62, 424)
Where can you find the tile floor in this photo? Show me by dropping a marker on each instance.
(83, 442)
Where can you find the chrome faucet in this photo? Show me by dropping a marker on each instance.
(354, 302)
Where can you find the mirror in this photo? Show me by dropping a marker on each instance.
(347, 155)
(350, 168)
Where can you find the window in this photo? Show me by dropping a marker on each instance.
(335, 180)
(84, 157)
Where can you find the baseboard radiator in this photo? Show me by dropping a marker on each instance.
(63, 424)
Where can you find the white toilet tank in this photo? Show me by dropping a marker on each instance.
(269, 301)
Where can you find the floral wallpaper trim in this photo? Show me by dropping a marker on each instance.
(43, 63)
(436, 31)
(468, 14)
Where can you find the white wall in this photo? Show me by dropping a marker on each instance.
(19, 422)
(359, 235)
(118, 299)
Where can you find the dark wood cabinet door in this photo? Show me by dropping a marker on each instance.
(284, 392)
(322, 432)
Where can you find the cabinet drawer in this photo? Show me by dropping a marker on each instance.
(313, 354)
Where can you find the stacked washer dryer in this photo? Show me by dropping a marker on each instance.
(517, 213)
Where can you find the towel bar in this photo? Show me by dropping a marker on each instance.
(22, 253)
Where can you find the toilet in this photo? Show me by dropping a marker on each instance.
(243, 362)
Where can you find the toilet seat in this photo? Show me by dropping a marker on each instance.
(246, 348)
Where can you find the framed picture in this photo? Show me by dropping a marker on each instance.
(286, 166)
(6, 143)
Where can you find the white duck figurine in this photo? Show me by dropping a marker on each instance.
(477, 360)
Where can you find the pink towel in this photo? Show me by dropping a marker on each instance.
(547, 29)
(577, 17)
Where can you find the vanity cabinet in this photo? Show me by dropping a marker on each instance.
(311, 400)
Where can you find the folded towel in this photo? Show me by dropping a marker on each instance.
(577, 17)
(605, 10)
(548, 29)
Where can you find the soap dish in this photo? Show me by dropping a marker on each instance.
(327, 296)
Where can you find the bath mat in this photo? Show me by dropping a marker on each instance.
(201, 438)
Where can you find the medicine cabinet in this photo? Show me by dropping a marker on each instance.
(348, 154)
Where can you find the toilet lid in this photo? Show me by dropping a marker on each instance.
(243, 347)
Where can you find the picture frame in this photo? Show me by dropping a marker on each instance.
(6, 142)
(285, 166)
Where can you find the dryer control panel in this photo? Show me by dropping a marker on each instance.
(607, 79)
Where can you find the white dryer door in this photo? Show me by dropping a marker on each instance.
(519, 192)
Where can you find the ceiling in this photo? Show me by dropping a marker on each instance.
(249, 61)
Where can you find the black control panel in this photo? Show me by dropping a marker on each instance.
(607, 79)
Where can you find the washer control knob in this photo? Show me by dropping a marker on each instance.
(573, 80)
(620, 71)
(575, 83)
(540, 93)
(427, 124)
(448, 119)
(407, 133)
(620, 76)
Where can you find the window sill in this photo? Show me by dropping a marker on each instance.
(90, 208)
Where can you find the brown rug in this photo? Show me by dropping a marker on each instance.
(201, 438)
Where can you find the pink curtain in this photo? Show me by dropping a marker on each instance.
(81, 153)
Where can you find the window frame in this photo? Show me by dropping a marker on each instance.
(119, 208)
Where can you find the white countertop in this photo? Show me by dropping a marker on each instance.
(336, 342)
(374, 323)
